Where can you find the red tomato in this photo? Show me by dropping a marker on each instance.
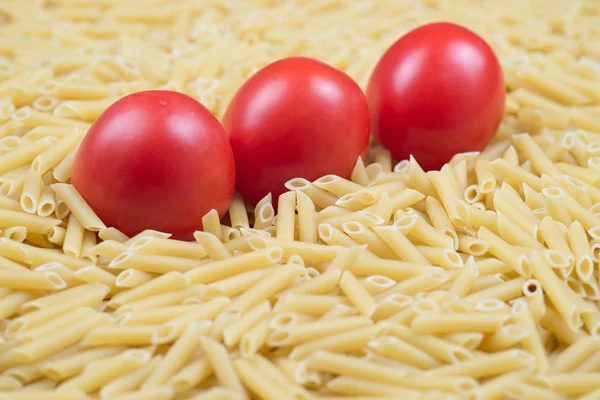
(158, 160)
(294, 118)
(436, 92)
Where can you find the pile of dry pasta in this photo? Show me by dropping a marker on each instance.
(479, 281)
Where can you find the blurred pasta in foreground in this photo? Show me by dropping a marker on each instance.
(479, 281)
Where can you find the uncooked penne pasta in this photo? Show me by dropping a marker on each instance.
(377, 281)
(224, 368)
(87, 217)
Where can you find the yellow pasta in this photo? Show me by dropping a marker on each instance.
(32, 223)
(89, 220)
(385, 281)
(55, 154)
(93, 378)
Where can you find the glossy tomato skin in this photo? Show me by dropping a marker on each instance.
(155, 160)
(437, 91)
(296, 117)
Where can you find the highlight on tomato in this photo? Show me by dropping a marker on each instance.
(296, 117)
(439, 90)
(155, 160)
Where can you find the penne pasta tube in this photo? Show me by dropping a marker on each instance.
(132, 381)
(405, 198)
(336, 185)
(364, 236)
(113, 234)
(425, 282)
(74, 234)
(445, 258)
(453, 323)
(267, 389)
(495, 388)
(213, 246)
(447, 193)
(153, 263)
(92, 379)
(505, 291)
(71, 363)
(279, 377)
(6, 203)
(75, 91)
(191, 375)
(176, 357)
(557, 291)
(88, 219)
(118, 335)
(33, 223)
(418, 179)
(440, 220)
(131, 278)
(359, 173)
(553, 322)
(281, 278)
(307, 227)
(357, 294)
(354, 386)
(32, 280)
(224, 369)
(32, 118)
(400, 244)
(397, 270)
(335, 237)
(94, 274)
(420, 229)
(158, 315)
(23, 155)
(366, 218)
(401, 351)
(527, 391)
(438, 348)
(308, 331)
(472, 246)
(32, 190)
(89, 241)
(503, 251)
(341, 342)
(464, 280)
(532, 152)
(47, 203)
(346, 258)
(309, 304)
(571, 384)
(234, 331)
(88, 296)
(188, 295)
(515, 175)
(286, 216)
(256, 337)
(320, 197)
(508, 336)
(574, 355)
(476, 217)
(174, 328)
(167, 247)
(225, 268)
(237, 213)
(55, 154)
(165, 283)
(307, 251)
(42, 347)
(487, 365)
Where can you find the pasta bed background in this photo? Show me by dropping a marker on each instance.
(479, 281)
